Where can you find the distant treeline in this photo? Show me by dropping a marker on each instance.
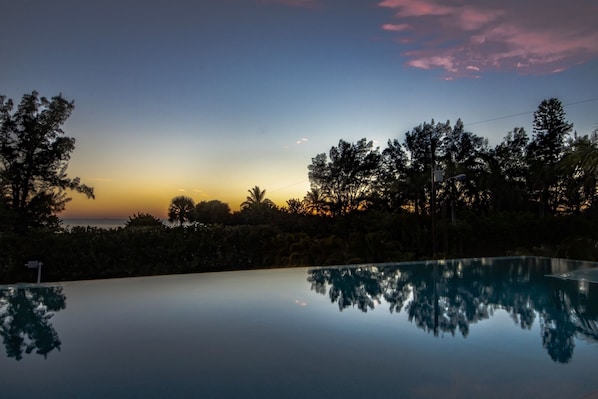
(442, 192)
(289, 240)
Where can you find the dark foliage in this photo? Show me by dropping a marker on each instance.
(364, 206)
(289, 240)
(34, 155)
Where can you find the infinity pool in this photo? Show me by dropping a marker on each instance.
(482, 328)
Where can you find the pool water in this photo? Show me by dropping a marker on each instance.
(478, 328)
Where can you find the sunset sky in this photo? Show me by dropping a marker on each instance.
(209, 98)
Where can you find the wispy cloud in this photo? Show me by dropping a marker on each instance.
(301, 141)
(466, 37)
(396, 27)
(200, 192)
(300, 302)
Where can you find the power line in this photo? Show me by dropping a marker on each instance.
(528, 112)
(499, 118)
(289, 185)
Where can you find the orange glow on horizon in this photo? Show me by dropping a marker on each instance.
(120, 202)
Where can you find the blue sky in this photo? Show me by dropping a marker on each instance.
(209, 98)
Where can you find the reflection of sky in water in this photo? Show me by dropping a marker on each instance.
(268, 334)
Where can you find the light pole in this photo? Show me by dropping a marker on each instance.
(433, 174)
(453, 179)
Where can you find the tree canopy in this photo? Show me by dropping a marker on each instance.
(212, 212)
(256, 199)
(144, 221)
(34, 156)
(544, 152)
(550, 173)
(347, 177)
(181, 210)
(363, 206)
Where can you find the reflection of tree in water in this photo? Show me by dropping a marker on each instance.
(448, 297)
(25, 319)
(354, 286)
(574, 313)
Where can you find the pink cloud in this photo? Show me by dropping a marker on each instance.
(472, 19)
(465, 37)
(395, 27)
(415, 8)
(447, 62)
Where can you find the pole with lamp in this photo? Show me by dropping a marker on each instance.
(453, 179)
(433, 193)
(437, 176)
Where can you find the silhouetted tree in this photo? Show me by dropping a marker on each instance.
(544, 151)
(144, 221)
(181, 210)
(212, 212)
(34, 156)
(314, 200)
(508, 170)
(422, 144)
(256, 198)
(257, 209)
(295, 206)
(348, 177)
(393, 176)
(462, 152)
(580, 165)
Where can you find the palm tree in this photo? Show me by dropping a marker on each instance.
(581, 167)
(256, 198)
(315, 201)
(584, 153)
(181, 210)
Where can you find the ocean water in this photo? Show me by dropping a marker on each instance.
(99, 223)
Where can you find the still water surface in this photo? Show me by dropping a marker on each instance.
(95, 223)
(484, 328)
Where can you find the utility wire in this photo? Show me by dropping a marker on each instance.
(289, 185)
(528, 112)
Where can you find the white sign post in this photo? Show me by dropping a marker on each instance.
(35, 264)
